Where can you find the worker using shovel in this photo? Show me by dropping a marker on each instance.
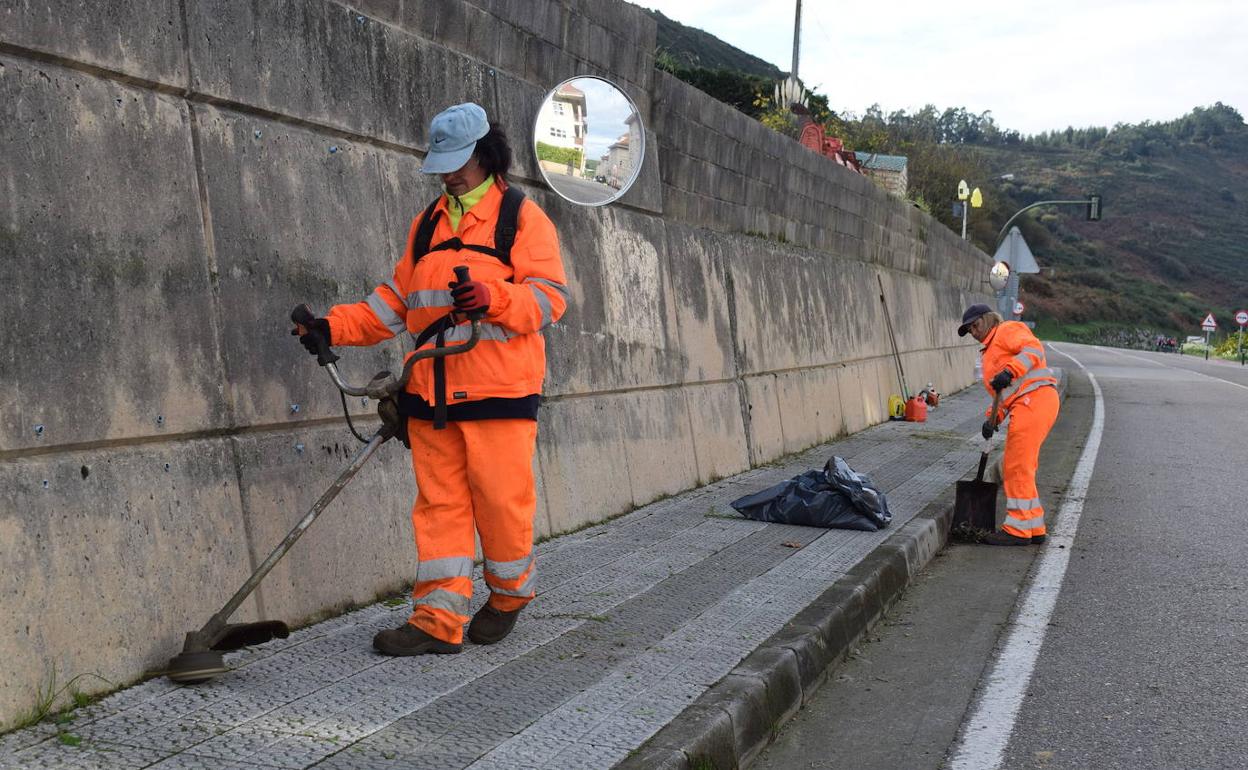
(471, 419)
(1014, 366)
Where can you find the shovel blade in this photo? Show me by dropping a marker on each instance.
(236, 636)
(976, 505)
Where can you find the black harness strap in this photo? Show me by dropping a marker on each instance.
(504, 230)
(504, 239)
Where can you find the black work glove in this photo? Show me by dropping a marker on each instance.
(1002, 380)
(313, 332)
(988, 429)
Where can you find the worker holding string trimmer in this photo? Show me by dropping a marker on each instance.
(471, 419)
(1014, 366)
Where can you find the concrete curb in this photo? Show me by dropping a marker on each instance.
(734, 720)
(737, 718)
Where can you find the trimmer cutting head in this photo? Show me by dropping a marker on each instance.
(201, 658)
(196, 667)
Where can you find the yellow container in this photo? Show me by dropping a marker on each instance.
(896, 407)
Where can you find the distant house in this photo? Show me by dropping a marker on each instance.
(562, 122)
(617, 164)
(888, 171)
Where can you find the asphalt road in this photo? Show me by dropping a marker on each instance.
(1144, 661)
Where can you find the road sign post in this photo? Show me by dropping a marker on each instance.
(1241, 318)
(1208, 325)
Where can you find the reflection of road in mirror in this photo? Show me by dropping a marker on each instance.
(581, 190)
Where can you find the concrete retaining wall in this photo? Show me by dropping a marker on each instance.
(178, 175)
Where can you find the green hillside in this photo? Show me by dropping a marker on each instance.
(691, 47)
(1172, 244)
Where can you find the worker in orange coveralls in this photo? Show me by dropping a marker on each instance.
(1014, 365)
(473, 425)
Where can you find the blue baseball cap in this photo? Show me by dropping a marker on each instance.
(453, 135)
(971, 315)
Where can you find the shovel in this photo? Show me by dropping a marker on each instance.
(975, 506)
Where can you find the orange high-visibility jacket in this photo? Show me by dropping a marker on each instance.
(1011, 345)
(525, 297)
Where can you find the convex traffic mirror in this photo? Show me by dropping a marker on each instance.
(589, 141)
(999, 276)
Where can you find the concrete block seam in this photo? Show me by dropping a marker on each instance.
(363, 421)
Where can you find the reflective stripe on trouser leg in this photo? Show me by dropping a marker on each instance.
(442, 523)
(504, 500)
(1031, 418)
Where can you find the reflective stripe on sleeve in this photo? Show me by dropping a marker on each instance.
(1025, 361)
(385, 313)
(543, 302)
(394, 287)
(563, 290)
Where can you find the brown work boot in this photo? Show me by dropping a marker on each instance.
(490, 626)
(410, 640)
(1005, 538)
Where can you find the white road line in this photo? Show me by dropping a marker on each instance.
(1168, 366)
(985, 735)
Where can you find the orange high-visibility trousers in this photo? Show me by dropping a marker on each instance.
(474, 474)
(1031, 418)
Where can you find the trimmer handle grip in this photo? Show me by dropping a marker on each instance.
(303, 318)
(461, 276)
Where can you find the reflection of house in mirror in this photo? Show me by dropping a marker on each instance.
(561, 127)
(618, 161)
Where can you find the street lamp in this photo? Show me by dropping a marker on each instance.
(976, 200)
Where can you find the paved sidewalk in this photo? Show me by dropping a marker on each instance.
(677, 634)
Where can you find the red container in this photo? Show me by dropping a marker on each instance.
(916, 410)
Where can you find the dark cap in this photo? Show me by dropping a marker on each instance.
(970, 316)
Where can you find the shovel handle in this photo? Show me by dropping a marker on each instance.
(992, 420)
(996, 405)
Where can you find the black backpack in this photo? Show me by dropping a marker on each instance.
(504, 230)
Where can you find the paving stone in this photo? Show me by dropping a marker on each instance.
(192, 762)
(266, 747)
(171, 738)
(26, 737)
(54, 755)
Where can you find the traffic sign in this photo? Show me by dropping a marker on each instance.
(1019, 307)
(1241, 318)
(1209, 324)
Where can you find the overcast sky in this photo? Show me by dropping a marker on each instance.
(607, 109)
(1036, 65)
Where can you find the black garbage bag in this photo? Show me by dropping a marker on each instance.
(836, 497)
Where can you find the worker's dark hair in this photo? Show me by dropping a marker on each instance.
(493, 152)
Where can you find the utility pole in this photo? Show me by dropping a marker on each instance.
(797, 36)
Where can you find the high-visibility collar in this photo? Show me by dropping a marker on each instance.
(988, 340)
(457, 206)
